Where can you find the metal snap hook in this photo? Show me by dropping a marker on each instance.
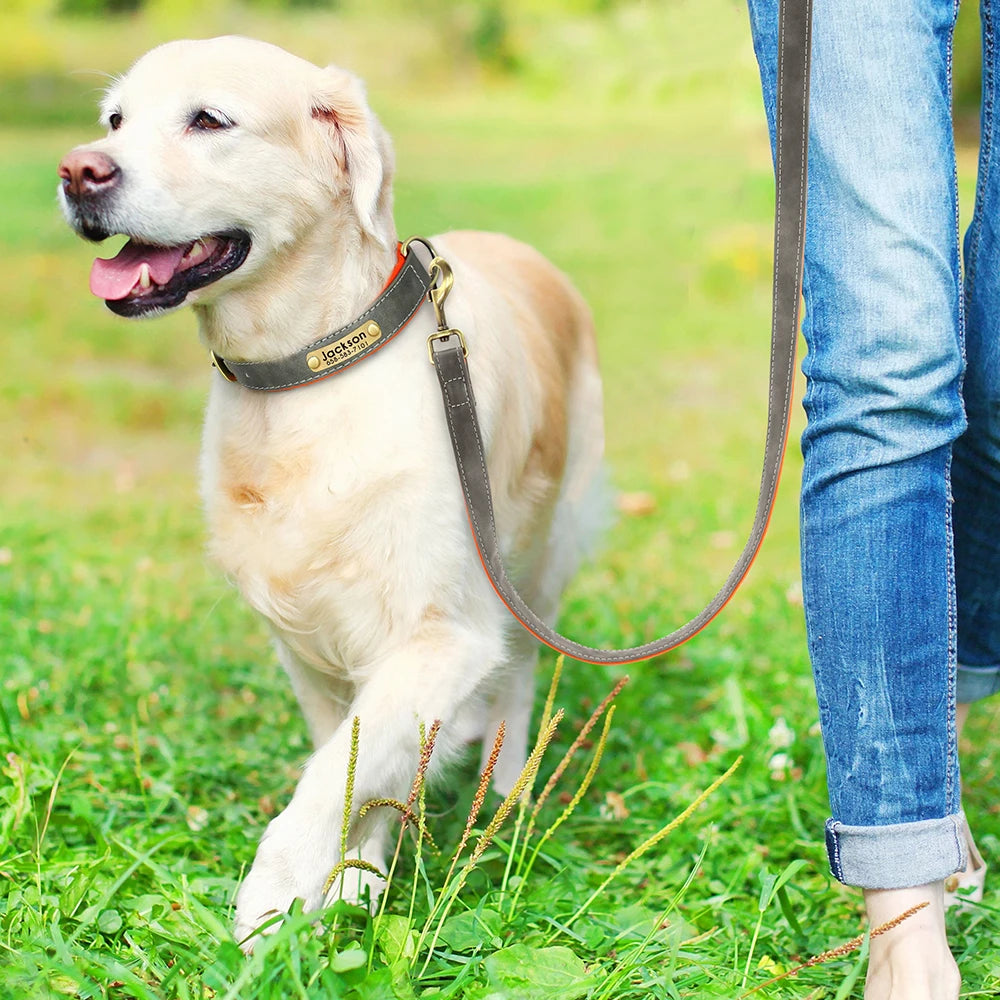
(442, 280)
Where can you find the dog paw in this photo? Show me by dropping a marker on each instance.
(295, 860)
(288, 866)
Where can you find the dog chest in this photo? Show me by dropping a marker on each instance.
(325, 520)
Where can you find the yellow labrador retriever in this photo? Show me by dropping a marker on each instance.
(256, 187)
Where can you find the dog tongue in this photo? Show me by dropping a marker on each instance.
(116, 277)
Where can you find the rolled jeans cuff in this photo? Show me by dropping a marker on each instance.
(975, 683)
(898, 856)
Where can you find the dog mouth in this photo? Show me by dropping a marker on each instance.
(144, 278)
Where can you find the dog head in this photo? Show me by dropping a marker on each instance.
(222, 155)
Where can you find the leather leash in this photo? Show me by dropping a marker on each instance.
(411, 284)
(448, 353)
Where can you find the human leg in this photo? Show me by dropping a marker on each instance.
(976, 473)
(976, 460)
(884, 407)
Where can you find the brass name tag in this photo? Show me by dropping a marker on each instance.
(345, 348)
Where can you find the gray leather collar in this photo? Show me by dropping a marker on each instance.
(363, 336)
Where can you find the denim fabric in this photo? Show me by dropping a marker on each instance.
(869, 855)
(976, 468)
(884, 324)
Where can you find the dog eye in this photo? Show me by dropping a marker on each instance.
(115, 121)
(209, 121)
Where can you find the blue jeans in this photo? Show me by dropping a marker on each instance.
(901, 582)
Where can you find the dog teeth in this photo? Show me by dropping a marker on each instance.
(145, 281)
(196, 252)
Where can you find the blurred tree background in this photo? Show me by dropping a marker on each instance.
(967, 68)
(41, 42)
(45, 45)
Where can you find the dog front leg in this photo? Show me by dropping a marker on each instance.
(511, 704)
(301, 846)
(323, 697)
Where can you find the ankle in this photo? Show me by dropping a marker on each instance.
(911, 960)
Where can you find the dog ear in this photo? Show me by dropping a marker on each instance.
(361, 147)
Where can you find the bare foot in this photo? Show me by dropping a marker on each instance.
(912, 961)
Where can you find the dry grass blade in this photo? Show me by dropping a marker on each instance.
(352, 770)
(452, 888)
(576, 744)
(524, 780)
(480, 797)
(40, 835)
(342, 866)
(841, 950)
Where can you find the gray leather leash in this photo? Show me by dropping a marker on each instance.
(448, 354)
(411, 284)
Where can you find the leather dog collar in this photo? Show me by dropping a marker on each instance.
(402, 296)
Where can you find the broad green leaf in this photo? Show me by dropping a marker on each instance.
(470, 931)
(109, 922)
(380, 985)
(348, 960)
(396, 939)
(540, 973)
(767, 884)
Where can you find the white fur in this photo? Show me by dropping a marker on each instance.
(335, 508)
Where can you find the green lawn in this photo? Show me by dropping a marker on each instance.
(146, 729)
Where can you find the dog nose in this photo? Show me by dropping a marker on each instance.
(85, 173)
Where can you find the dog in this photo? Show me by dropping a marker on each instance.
(256, 187)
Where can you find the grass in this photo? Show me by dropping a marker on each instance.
(147, 733)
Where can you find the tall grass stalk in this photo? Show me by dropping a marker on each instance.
(525, 870)
(451, 888)
(574, 747)
(405, 809)
(341, 867)
(550, 696)
(418, 793)
(521, 786)
(624, 968)
(427, 743)
(571, 753)
(652, 842)
(522, 807)
(480, 797)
